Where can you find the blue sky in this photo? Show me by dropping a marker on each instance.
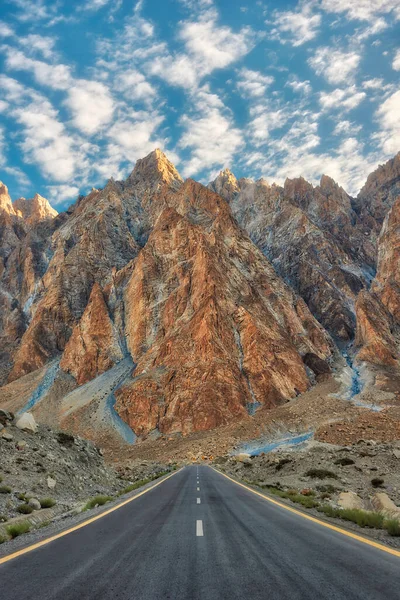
(269, 89)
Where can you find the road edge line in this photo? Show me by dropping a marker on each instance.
(349, 534)
(57, 536)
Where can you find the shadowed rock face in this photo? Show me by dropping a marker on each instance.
(94, 345)
(377, 196)
(311, 237)
(25, 237)
(378, 312)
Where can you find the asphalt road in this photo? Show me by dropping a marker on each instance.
(208, 540)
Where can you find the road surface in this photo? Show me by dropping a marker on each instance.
(199, 536)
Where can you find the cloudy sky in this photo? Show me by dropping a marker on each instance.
(268, 88)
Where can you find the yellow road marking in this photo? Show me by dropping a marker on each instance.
(315, 520)
(80, 525)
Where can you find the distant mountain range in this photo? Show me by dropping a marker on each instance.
(198, 304)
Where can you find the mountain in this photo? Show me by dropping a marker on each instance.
(167, 307)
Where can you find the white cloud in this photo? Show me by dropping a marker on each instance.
(210, 135)
(58, 194)
(44, 45)
(253, 83)
(334, 65)
(388, 117)
(396, 61)
(303, 87)
(19, 176)
(5, 30)
(373, 84)
(134, 86)
(208, 47)
(346, 128)
(91, 105)
(363, 10)
(340, 99)
(57, 77)
(295, 28)
(46, 142)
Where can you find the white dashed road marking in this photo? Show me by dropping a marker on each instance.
(199, 528)
(198, 489)
(198, 501)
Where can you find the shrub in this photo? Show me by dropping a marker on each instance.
(23, 497)
(97, 501)
(47, 502)
(282, 463)
(320, 474)
(329, 488)
(392, 526)
(325, 496)
(2, 539)
(18, 529)
(5, 489)
(294, 496)
(344, 461)
(362, 518)
(65, 439)
(3, 518)
(141, 482)
(25, 509)
(377, 482)
(329, 510)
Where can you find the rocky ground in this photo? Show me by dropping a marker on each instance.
(365, 468)
(38, 463)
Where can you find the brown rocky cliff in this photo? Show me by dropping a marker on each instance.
(377, 197)
(290, 226)
(208, 322)
(93, 347)
(378, 312)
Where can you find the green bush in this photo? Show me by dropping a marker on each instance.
(320, 474)
(377, 482)
(329, 488)
(329, 510)
(141, 482)
(294, 496)
(3, 518)
(97, 501)
(47, 502)
(25, 509)
(18, 529)
(5, 489)
(392, 526)
(23, 497)
(362, 517)
(344, 461)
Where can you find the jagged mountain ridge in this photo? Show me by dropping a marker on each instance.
(158, 269)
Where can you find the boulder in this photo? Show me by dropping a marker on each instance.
(243, 458)
(51, 483)
(350, 500)
(7, 436)
(27, 422)
(34, 503)
(384, 505)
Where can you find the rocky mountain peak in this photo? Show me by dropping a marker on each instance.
(226, 185)
(153, 170)
(5, 200)
(34, 209)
